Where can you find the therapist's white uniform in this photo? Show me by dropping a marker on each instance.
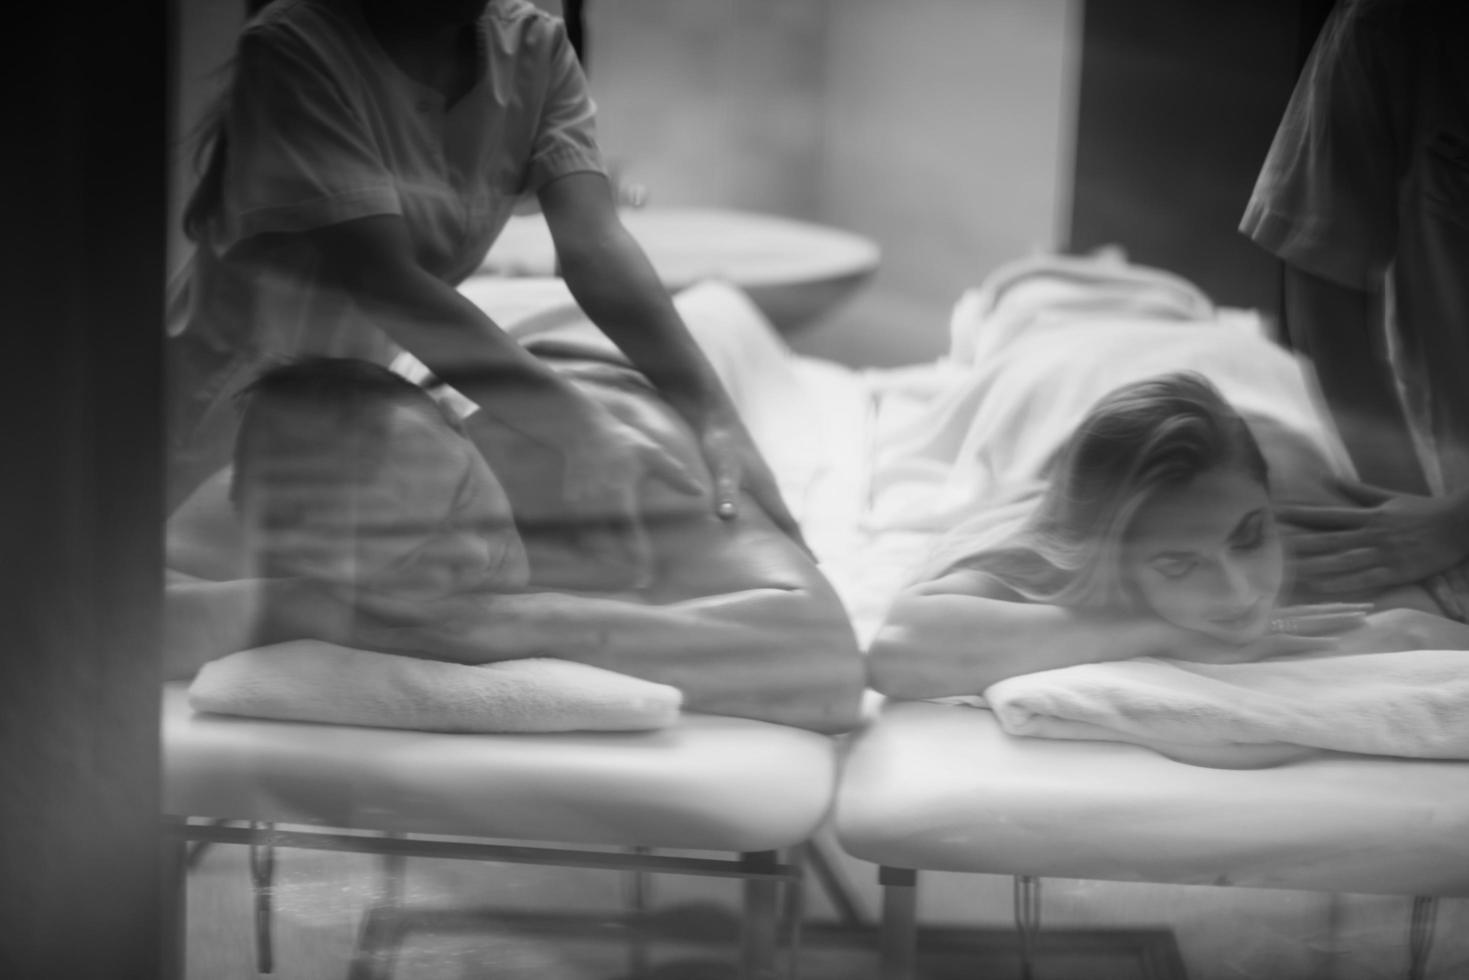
(323, 127)
(1367, 185)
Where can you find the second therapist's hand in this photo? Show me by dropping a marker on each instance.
(736, 464)
(1377, 540)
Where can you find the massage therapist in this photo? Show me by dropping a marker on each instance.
(363, 158)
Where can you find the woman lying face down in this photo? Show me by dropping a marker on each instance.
(1158, 502)
(1153, 536)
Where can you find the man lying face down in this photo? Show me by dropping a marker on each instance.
(360, 513)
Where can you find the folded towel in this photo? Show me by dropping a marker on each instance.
(1411, 703)
(309, 680)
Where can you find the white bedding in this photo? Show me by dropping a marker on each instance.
(970, 439)
(876, 464)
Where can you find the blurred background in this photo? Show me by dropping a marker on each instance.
(954, 134)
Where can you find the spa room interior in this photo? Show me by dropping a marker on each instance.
(851, 173)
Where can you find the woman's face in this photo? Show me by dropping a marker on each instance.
(1205, 556)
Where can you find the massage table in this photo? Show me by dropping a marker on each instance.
(923, 786)
(940, 787)
(748, 792)
(937, 787)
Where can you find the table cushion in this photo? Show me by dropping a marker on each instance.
(708, 782)
(938, 787)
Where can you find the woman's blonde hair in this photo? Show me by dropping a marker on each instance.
(1140, 439)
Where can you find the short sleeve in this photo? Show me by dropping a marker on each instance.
(299, 154)
(1326, 198)
(566, 135)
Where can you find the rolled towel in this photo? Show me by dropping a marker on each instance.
(310, 680)
(1412, 703)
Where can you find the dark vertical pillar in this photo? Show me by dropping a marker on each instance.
(571, 11)
(1178, 105)
(81, 275)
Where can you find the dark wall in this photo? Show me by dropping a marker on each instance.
(81, 279)
(1179, 100)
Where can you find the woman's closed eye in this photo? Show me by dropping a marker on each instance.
(1174, 566)
(1250, 534)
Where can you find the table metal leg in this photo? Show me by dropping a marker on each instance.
(1421, 922)
(1027, 898)
(637, 890)
(262, 876)
(174, 854)
(899, 922)
(760, 923)
(381, 932)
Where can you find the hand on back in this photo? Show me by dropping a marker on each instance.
(1376, 540)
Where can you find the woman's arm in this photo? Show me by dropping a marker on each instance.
(778, 654)
(738, 618)
(957, 635)
(964, 631)
(779, 649)
(740, 621)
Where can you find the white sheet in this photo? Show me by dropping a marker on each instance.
(1032, 350)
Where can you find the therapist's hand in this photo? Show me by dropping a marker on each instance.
(736, 464)
(1377, 540)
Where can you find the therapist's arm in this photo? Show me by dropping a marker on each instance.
(372, 259)
(1336, 328)
(617, 287)
(613, 282)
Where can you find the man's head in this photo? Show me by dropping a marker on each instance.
(348, 473)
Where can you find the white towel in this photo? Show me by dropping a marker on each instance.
(310, 680)
(1413, 703)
